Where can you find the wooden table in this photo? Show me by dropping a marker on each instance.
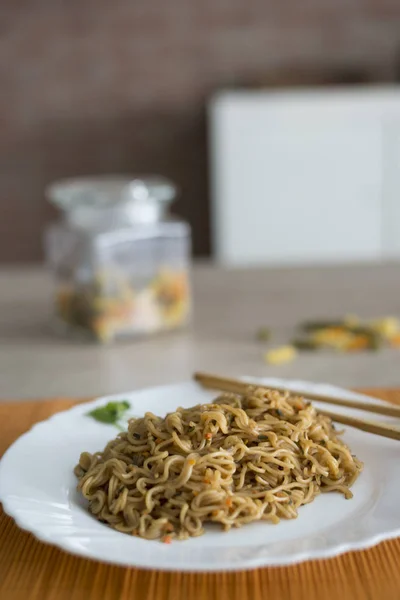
(31, 570)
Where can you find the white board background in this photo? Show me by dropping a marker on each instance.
(310, 176)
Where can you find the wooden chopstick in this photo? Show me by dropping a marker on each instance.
(240, 387)
(233, 385)
(369, 426)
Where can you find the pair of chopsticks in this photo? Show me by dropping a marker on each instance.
(242, 387)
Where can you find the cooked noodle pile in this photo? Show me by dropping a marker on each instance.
(240, 459)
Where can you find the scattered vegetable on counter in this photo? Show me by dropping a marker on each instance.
(350, 334)
(111, 413)
(281, 355)
(263, 334)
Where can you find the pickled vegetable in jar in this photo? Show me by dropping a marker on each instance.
(121, 262)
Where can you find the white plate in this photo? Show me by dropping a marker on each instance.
(38, 489)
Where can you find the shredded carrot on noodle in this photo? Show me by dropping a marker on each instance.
(167, 539)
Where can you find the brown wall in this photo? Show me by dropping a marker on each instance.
(96, 86)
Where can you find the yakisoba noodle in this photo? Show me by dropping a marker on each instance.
(237, 460)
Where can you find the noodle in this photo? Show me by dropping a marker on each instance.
(240, 459)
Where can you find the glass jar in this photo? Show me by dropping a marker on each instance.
(120, 261)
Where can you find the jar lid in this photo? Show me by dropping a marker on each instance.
(110, 191)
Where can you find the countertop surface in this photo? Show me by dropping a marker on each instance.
(229, 307)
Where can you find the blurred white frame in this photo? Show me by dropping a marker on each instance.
(305, 176)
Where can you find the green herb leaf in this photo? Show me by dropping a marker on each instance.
(110, 413)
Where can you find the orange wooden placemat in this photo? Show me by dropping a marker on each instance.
(31, 570)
